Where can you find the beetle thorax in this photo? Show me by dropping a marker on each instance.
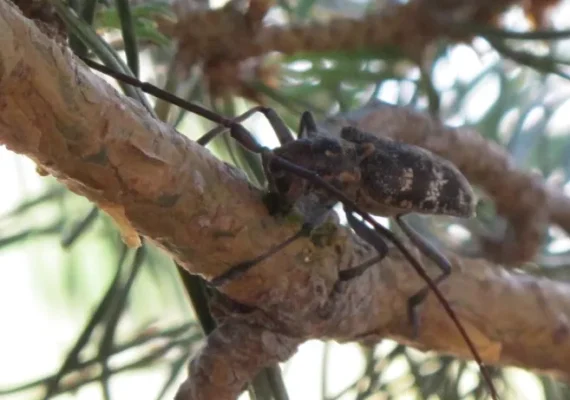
(335, 160)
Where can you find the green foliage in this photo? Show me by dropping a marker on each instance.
(142, 17)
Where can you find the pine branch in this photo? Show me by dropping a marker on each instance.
(408, 26)
(204, 213)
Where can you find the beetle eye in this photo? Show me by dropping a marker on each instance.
(366, 149)
(330, 148)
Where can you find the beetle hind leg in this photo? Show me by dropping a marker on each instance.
(372, 237)
(433, 254)
(369, 236)
(355, 272)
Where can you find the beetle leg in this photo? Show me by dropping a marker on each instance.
(355, 272)
(307, 125)
(424, 246)
(271, 185)
(281, 130)
(416, 300)
(245, 138)
(276, 122)
(211, 134)
(239, 269)
(433, 254)
(371, 237)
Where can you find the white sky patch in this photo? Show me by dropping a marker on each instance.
(481, 98)
(559, 125)
(465, 62)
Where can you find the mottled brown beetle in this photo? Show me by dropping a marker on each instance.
(367, 174)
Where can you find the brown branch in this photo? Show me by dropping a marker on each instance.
(225, 363)
(229, 34)
(221, 39)
(204, 213)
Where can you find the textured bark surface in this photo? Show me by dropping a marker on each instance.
(107, 148)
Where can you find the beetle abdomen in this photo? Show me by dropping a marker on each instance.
(398, 177)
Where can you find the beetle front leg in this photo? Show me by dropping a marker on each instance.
(281, 130)
(246, 139)
(239, 269)
(239, 133)
(307, 125)
(433, 254)
(355, 272)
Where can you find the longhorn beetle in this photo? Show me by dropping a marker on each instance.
(364, 172)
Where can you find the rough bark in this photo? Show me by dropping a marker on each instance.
(204, 213)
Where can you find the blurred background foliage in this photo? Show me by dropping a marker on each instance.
(84, 317)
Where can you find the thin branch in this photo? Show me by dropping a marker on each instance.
(409, 26)
(498, 33)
